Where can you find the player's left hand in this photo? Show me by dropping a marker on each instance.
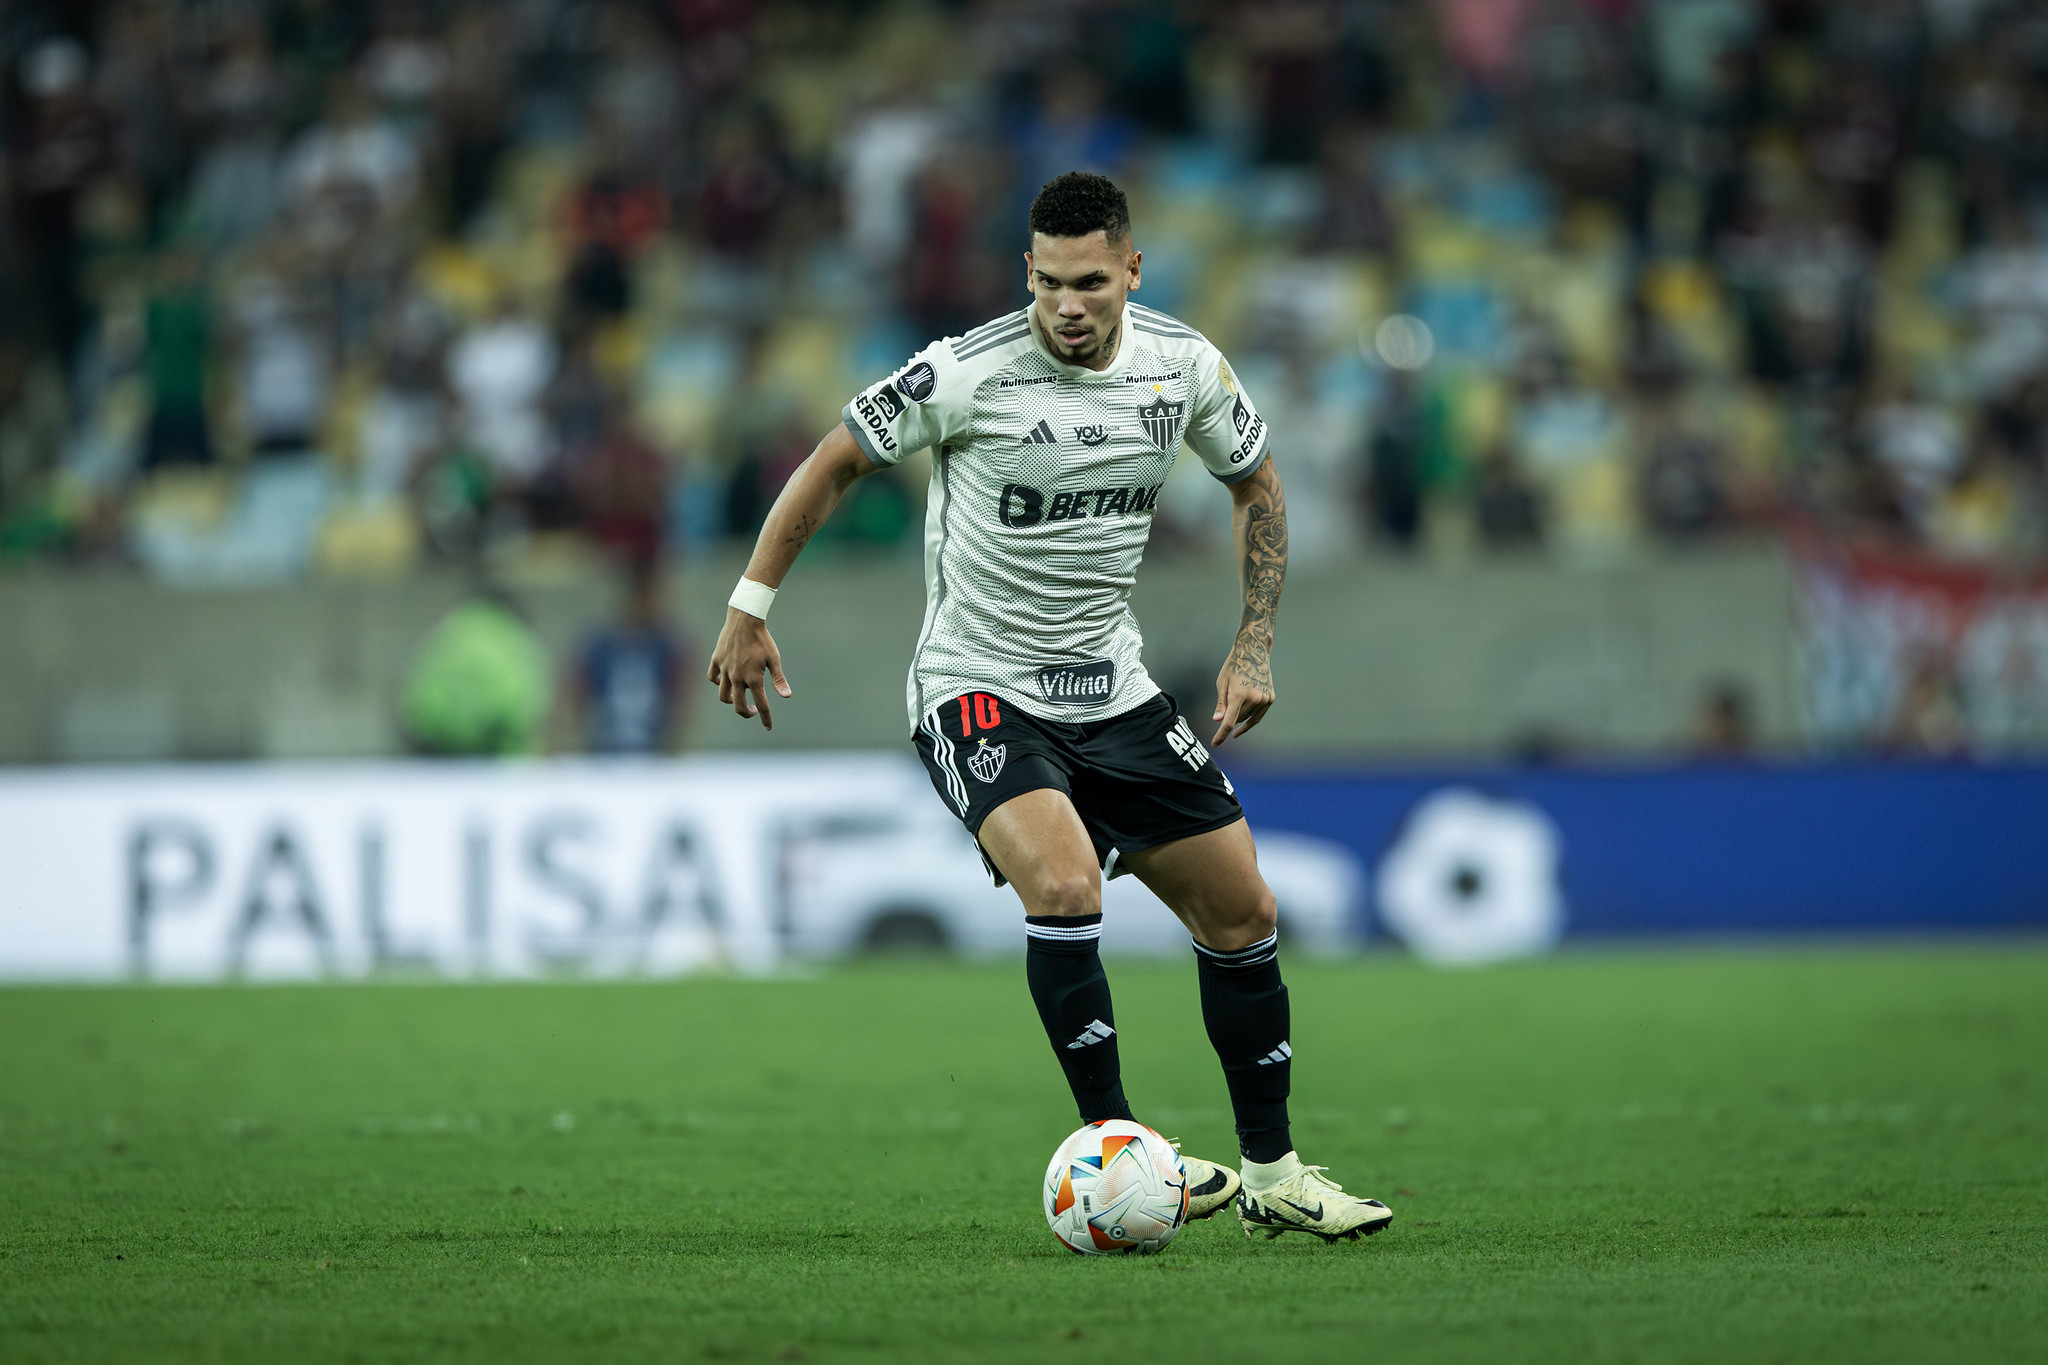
(745, 660)
(1244, 688)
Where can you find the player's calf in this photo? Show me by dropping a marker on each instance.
(1244, 1009)
(1068, 985)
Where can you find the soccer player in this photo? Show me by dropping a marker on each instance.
(1052, 430)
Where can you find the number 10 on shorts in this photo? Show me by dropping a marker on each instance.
(978, 710)
(1183, 742)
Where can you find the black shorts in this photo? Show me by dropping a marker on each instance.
(1138, 779)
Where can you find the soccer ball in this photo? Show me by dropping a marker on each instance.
(1114, 1188)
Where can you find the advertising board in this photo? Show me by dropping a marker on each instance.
(478, 869)
(530, 869)
(589, 869)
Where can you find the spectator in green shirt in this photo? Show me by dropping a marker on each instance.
(179, 332)
(480, 684)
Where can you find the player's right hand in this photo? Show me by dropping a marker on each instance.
(746, 660)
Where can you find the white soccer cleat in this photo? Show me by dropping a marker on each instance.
(1286, 1196)
(1211, 1187)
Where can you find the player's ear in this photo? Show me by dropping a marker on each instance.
(1028, 272)
(1132, 270)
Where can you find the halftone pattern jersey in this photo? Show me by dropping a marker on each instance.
(1044, 477)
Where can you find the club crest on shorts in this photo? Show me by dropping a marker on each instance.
(1162, 418)
(986, 762)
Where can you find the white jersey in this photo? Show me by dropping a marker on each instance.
(1044, 476)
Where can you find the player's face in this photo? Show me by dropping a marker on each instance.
(1080, 284)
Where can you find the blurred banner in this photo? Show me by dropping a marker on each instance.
(452, 868)
(1475, 864)
(1906, 653)
(531, 869)
(618, 869)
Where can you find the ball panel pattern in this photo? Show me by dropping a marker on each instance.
(1115, 1188)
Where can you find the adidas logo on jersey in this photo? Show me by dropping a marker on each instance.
(1041, 435)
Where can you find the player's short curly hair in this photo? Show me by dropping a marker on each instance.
(1081, 202)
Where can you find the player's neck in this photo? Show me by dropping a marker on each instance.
(1106, 357)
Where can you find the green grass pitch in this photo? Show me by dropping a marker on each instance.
(1798, 1155)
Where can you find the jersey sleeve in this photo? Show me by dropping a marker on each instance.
(920, 405)
(1226, 432)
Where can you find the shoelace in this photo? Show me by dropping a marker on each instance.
(1314, 1175)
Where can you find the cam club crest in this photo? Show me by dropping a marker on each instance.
(986, 762)
(1162, 420)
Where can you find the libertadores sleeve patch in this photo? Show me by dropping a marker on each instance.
(905, 412)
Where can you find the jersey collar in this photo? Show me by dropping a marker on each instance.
(1116, 366)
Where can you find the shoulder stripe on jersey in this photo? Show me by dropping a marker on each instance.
(1005, 320)
(994, 324)
(1150, 312)
(988, 329)
(1011, 327)
(1161, 329)
(1157, 321)
(982, 333)
(965, 352)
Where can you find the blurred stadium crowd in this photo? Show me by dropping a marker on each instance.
(316, 286)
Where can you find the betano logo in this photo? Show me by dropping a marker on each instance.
(1021, 505)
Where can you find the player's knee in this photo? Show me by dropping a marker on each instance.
(1236, 923)
(1072, 893)
(1254, 919)
(1264, 917)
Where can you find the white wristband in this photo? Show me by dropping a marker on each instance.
(752, 598)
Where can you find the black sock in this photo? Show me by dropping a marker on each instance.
(1072, 995)
(1244, 1005)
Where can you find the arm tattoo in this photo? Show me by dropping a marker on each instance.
(1264, 567)
(806, 527)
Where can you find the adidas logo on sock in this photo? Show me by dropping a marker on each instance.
(1094, 1033)
(1276, 1056)
(1041, 435)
